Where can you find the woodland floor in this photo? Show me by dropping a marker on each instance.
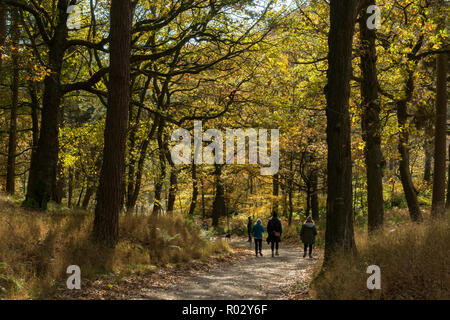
(239, 275)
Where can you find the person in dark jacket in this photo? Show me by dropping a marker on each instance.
(274, 230)
(308, 235)
(249, 229)
(257, 232)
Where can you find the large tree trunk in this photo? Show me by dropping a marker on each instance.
(440, 137)
(44, 159)
(371, 122)
(106, 222)
(339, 235)
(12, 143)
(218, 209)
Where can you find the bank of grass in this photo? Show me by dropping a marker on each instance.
(37, 247)
(414, 260)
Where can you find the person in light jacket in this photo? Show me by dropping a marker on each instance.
(308, 235)
(257, 232)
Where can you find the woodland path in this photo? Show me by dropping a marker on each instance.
(246, 278)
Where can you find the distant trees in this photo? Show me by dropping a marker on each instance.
(122, 85)
(53, 38)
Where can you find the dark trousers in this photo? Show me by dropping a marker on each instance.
(306, 247)
(258, 245)
(274, 244)
(249, 237)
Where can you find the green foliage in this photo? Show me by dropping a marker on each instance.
(397, 200)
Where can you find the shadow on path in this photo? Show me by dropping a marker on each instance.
(253, 278)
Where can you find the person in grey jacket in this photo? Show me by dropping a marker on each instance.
(308, 235)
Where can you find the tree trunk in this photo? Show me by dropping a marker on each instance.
(131, 202)
(70, 188)
(194, 190)
(290, 188)
(291, 207)
(162, 174)
(447, 203)
(275, 192)
(285, 205)
(34, 115)
(58, 184)
(12, 142)
(308, 201)
(203, 198)
(405, 174)
(427, 165)
(44, 161)
(172, 190)
(137, 179)
(106, 222)
(339, 228)
(87, 196)
(132, 158)
(314, 196)
(219, 200)
(80, 195)
(440, 138)
(371, 122)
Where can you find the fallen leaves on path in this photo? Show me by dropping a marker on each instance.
(237, 275)
(114, 286)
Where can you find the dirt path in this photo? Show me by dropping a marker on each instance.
(253, 278)
(246, 278)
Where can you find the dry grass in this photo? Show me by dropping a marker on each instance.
(37, 247)
(414, 260)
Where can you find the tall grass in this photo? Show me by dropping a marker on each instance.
(37, 247)
(414, 260)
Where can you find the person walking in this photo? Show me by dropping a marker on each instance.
(249, 229)
(308, 235)
(257, 232)
(274, 230)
